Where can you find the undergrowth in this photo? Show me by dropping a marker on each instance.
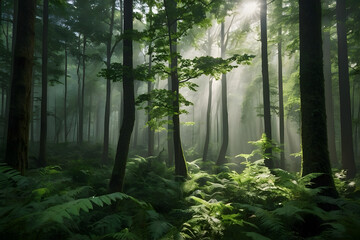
(69, 200)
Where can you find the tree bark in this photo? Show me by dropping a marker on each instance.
(329, 94)
(224, 106)
(150, 132)
(208, 111)
(19, 111)
(313, 113)
(281, 95)
(171, 15)
(65, 96)
(266, 84)
(118, 173)
(81, 109)
(105, 154)
(347, 151)
(44, 80)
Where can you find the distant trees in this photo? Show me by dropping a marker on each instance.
(20, 101)
(313, 113)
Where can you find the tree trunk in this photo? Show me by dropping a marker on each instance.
(266, 85)
(151, 135)
(118, 173)
(105, 154)
(329, 94)
(347, 151)
(89, 117)
(79, 86)
(65, 96)
(19, 111)
(224, 106)
(81, 109)
(170, 135)
(313, 113)
(281, 95)
(44, 80)
(171, 15)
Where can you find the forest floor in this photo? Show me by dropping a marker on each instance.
(69, 199)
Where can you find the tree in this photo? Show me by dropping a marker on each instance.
(328, 90)
(224, 106)
(313, 113)
(171, 16)
(20, 100)
(44, 83)
(347, 151)
(118, 173)
(109, 52)
(265, 75)
(281, 95)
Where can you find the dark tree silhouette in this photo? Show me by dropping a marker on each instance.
(20, 98)
(118, 173)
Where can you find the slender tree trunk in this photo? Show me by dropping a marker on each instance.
(208, 123)
(171, 15)
(65, 96)
(8, 90)
(44, 80)
(89, 117)
(225, 118)
(118, 173)
(79, 87)
(313, 112)
(19, 112)
(208, 111)
(347, 151)
(170, 135)
(266, 84)
(105, 154)
(81, 109)
(150, 132)
(328, 94)
(281, 96)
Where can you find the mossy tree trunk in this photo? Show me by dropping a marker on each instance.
(313, 113)
(20, 99)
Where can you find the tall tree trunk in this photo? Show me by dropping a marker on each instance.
(347, 151)
(79, 87)
(208, 111)
(313, 113)
(118, 173)
(81, 109)
(8, 89)
(224, 106)
(44, 80)
(171, 15)
(65, 96)
(170, 134)
(105, 154)
(19, 112)
(150, 132)
(281, 95)
(266, 84)
(328, 94)
(89, 117)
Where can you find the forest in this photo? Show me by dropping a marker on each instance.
(179, 119)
